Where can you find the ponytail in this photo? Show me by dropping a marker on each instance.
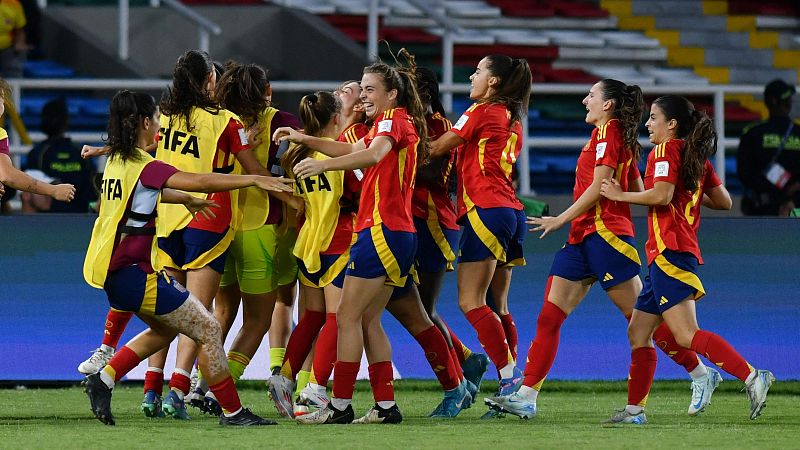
(317, 110)
(628, 108)
(514, 88)
(127, 111)
(187, 90)
(241, 90)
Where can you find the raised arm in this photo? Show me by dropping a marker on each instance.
(378, 148)
(218, 182)
(10, 176)
(328, 147)
(445, 143)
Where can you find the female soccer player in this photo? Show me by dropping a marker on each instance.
(17, 179)
(600, 244)
(382, 255)
(489, 134)
(119, 259)
(678, 181)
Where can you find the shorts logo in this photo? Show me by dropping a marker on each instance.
(461, 122)
(608, 277)
(663, 301)
(385, 126)
(662, 169)
(600, 150)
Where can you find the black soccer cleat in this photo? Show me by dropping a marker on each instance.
(244, 418)
(99, 398)
(376, 414)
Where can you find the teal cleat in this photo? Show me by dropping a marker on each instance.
(151, 405)
(455, 400)
(493, 414)
(474, 367)
(175, 407)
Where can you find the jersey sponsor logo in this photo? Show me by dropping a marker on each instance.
(242, 136)
(461, 122)
(179, 141)
(385, 126)
(600, 150)
(662, 169)
(311, 184)
(111, 189)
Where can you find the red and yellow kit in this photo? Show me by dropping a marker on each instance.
(431, 201)
(674, 226)
(354, 133)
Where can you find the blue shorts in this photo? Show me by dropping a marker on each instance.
(332, 270)
(609, 259)
(130, 289)
(493, 233)
(673, 279)
(402, 291)
(436, 246)
(187, 245)
(380, 252)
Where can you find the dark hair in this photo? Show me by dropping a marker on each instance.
(428, 87)
(241, 90)
(514, 88)
(127, 111)
(628, 108)
(403, 79)
(54, 117)
(316, 112)
(697, 129)
(188, 87)
(362, 115)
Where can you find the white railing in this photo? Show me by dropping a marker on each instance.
(19, 86)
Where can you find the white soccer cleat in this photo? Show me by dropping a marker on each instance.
(702, 390)
(757, 390)
(280, 391)
(97, 361)
(317, 398)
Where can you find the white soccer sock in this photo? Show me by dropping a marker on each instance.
(106, 348)
(386, 404)
(698, 372)
(341, 403)
(232, 414)
(634, 409)
(750, 377)
(528, 393)
(507, 371)
(107, 379)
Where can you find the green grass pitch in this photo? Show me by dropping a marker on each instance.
(569, 417)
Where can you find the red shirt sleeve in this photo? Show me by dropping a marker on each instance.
(156, 174)
(234, 138)
(711, 179)
(634, 173)
(609, 150)
(390, 126)
(467, 125)
(667, 163)
(4, 149)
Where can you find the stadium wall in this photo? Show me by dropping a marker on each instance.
(50, 319)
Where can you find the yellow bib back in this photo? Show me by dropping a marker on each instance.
(253, 202)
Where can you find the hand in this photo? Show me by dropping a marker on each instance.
(275, 184)
(284, 133)
(545, 224)
(201, 206)
(254, 135)
(90, 151)
(308, 168)
(64, 192)
(611, 189)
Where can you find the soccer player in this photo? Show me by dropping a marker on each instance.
(119, 258)
(383, 253)
(678, 181)
(489, 137)
(17, 179)
(599, 248)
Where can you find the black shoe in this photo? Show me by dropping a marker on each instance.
(99, 398)
(328, 414)
(377, 414)
(245, 418)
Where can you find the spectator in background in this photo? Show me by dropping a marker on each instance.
(33, 35)
(58, 157)
(768, 160)
(13, 45)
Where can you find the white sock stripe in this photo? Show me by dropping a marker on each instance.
(155, 369)
(182, 372)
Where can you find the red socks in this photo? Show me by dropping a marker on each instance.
(225, 392)
(438, 356)
(458, 346)
(381, 379)
(491, 335)
(344, 379)
(544, 347)
(116, 321)
(640, 377)
(325, 351)
(180, 381)
(721, 353)
(123, 362)
(510, 328)
(664, 340)
(154, 381)
(300, 341)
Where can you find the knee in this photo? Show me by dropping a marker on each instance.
(638, 338)
(255, 326)
(684, 339)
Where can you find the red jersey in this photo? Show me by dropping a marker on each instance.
(674, 226)
(354, 133)
(486, 160)
(605, 148)
(232, 141)
(388, 185)
(431, 200)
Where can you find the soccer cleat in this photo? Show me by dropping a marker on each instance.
(280, 391)
(474, 367)
(757, 389)
(493, 414)
(510, 385)
(376, 414)
(175, 407)
(197, 399)
(96, 362)
(99, 398)
(473, 392)
(310, 396)
(455, 400)
(328, 414)
(702, 390)
(151, 405)
(622, 416)
(300, 409)
(245, 418)
(211, 404)
(513, 404)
